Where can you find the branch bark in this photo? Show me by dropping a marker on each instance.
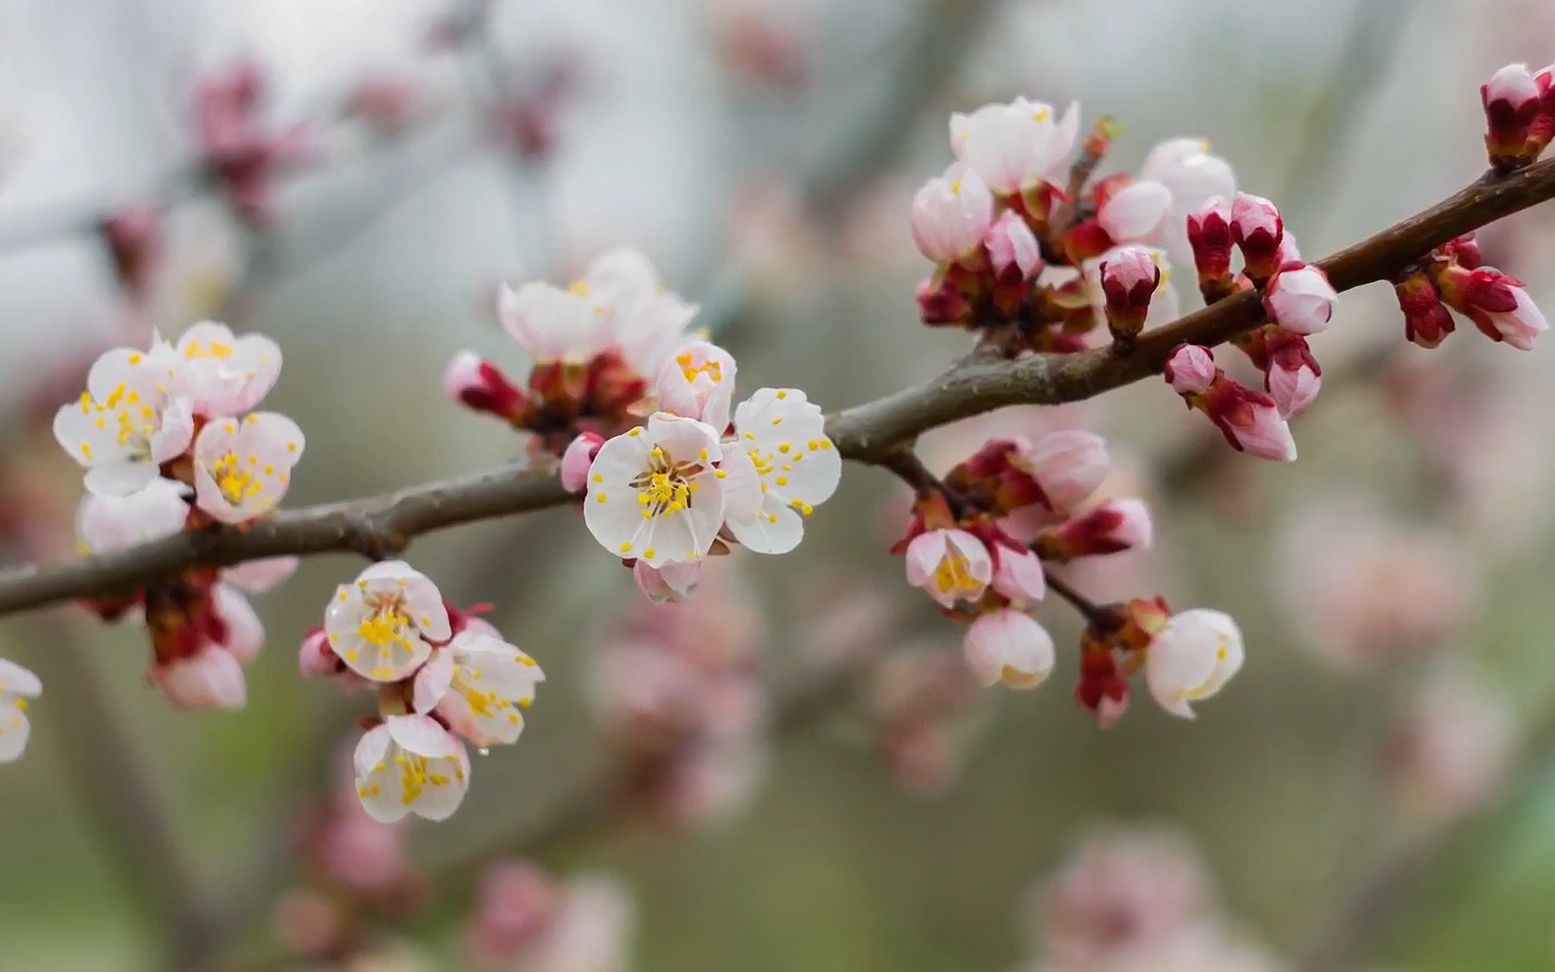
(869, 433)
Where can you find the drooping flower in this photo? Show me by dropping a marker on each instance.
(18, 687)
(1009, 647)
(479, 684)
(1250, 420)
(1299, 298)
(134, 416)
(1016, 145)
(242, 467)
(951, 213)
(1192, 658)
(950, 565)
(654, 494)
(225, 375)
(385, 624)
(411, 765)
(780, 465)
(698, 384)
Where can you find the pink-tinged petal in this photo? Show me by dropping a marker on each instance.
(671, 583)
(1191, 369)
(258, 576)
(1192, 658)
(577, 458)
(432, 681)
(245, 632)
(1135, 211)
(211, 679)
(1019, 575)
(1009, 647)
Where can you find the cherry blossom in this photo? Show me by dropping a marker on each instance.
(18, 687)
(478, 684)
(1192, 658)
(654, 494)
(385, 624)
(410, 765)
(1016, 145)
(780, 466)
(1008, 647)
(242, 467)
(135, 415)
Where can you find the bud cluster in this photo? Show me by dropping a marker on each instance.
(1453, 276)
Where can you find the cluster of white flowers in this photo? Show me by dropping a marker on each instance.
(691, 480)
(441, 676)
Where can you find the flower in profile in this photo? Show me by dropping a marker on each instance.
(1299, 298)
(479, 685)
(226, 375)
(698, 384)
(410, 764)
(385, 624)
(1192, 658)
(780, 465)
(18, 687)
(135, 415)
(654, 494)
(950, 565)
(950, 215)
(1008, 647)
(1014, 146)
(242, 467)
(1496, 302)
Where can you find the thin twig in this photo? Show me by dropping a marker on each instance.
(868, 433)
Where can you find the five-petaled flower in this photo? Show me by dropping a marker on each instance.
(242, 467)
(135, 415)
(478, 685)
(410, 764)
(384, 624)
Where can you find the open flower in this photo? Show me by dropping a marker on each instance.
(1010, 648)
(411, 764)
(1016, 145)
(1192, 658)
(653, 492)
(779, 466)
(134, 416)
(242, 467)
(479, 684)
(384, 625)
(226, 375)
(951, 565)
(17, 687)
(698, 384)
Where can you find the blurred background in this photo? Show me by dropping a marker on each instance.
(1373, 790)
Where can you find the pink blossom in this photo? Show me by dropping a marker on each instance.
(950, 565)
(1129, 278)
(1135, 211)
(1299, 298)
(1257, 228)
(1067, 465)
(1013, 250)
(1191, 369)
(1017, 572)
(1008, 647)
(1111, 526)
(480, 385)
(951, 214)
(577, 458)
(209, 679)
(1496, 302)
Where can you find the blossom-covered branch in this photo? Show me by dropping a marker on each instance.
(867, 433)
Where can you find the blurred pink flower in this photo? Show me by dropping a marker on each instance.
(527, 921)
(1450, 748)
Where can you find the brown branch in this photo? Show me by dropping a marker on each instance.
(869, 433)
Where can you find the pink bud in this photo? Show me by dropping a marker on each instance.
(951, 213)
(1009, 647)
(1496, 302)
(315, 659)
(1190, 369)
(1209, 233)
(1513, 102)
(668, 583)
(1013, 250)
(1293, 379)
(480, 385)
(1249, 420)
(1017, 573)
(1109, 527)
(1257, 228)
(1426, 319)
(1129, 278)
(1299, 298)
(209, 679)
(1067, 466)
(940, 302)
(577, 458)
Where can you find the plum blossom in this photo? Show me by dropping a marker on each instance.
(950, 565)
(242, 467)
(18, 687)
(225, 375)
(1519, 115)
(1009, 647)
(1129, 277)
(951, 214)
(410, 765)
(479, 684)
(699, 384)
(1250, 420)
(1014, 146)
(135, 415)
(1496, 302)
(1299, 298)
(385, 624)
(618, 304)
(654, 494)
(1192, 658)
(780, 466)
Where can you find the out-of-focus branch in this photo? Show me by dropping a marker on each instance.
(869, 433)
(129, 816)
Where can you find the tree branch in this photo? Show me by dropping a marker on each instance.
(869, 433)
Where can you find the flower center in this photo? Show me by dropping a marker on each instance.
(953, 575)
(690, 369)
(666, 486)
(236, 479)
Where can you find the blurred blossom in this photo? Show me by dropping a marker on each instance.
(527, 921)
(1450, 748)
(678, 689)
(307, 923)
(766, 43)
(919, 705)
(1364, 593)
(349, 850)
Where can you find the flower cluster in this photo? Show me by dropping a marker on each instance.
(442, 677)
(1036, 263)
(170, 441)
(596, 346)
(1453, 276)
